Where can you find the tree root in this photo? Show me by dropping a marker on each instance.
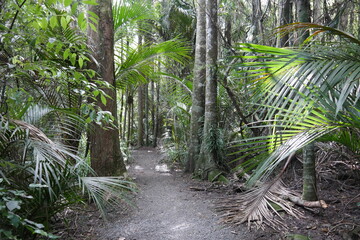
(311, 204)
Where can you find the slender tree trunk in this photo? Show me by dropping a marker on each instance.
(309, 173)
(123, 136)
(303, 11)
(157, 115)
(141, 105)
(130, 120)
(146, 113)
(256, 21)
(285, 17)
(209, 152)
(120, 115)
(152, 90)
(317, 12)
(198, 95)
(106, 158)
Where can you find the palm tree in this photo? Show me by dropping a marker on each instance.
(305, 94)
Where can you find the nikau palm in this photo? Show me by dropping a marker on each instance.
(303, 94)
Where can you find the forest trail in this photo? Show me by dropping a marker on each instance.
(166, 207)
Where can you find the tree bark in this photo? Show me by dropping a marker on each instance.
(285, 18)
(309, 173)
(317, 12)
(303, 11)
(209, 152)
(146, 113)
(198, 95)
(141, 106)
(106, 157)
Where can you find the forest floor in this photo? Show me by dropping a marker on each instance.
(171, 205)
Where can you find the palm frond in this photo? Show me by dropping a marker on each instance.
(142, 62)
(318, 29)
(107, 191)
(126, 14)
(305, 95)
(260, 205)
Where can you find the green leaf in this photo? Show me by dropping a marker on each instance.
(74, 8)
(53, 21)
(14, 219)
(93, 27)
(13, 204)
(81, 62)
(73, 59)
(103, 99)
(50, 2)
(3, 28)
(63, 22)
(92, 2)
(96, 93)
(37, 225)
(66, 53)
(81, 21)
(43, 23)
(67, 2)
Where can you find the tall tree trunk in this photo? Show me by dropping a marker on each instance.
(146, 113)
(317, 12)
(198, 95)
(129, 123)
(152, 90)
(123, 135)
(157, 115)
(121, 110)
(106, 158)
(141, 106)
(303, 11)
(257, 28)
(209, 152)
(285, 18)
(309, 173)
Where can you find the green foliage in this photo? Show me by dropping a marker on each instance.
(12, 225)
(140, 64)
(304, 94)
(46, 103)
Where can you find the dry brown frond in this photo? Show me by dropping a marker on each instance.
(260, 205)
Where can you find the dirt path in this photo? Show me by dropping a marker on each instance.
(167, 208)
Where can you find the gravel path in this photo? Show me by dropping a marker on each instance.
(166, 207)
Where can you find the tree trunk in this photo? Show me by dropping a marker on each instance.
(157, 115)
(106, 158)
(198, 95)
(120, 114)
(209, 152)
(256, 22)
(146, 113)
(303, 11)
(152, 90)
(285, 18)
(317, 12)
(141, 106)
(309, 173)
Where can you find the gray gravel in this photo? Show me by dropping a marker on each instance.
(167, 208)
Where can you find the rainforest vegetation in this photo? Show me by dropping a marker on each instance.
(230, 90)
